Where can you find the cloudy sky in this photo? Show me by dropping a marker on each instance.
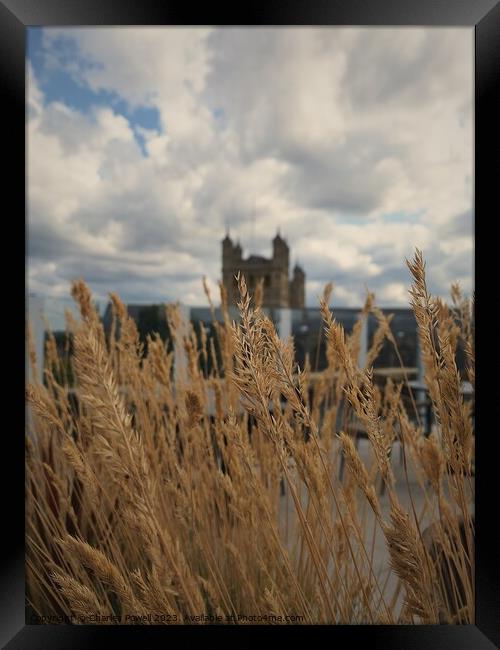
(144, 143)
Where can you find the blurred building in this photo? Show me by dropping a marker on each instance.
(34, 320)
(279, 289)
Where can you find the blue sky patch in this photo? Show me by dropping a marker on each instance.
(59, 85)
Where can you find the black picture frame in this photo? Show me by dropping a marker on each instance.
(481, 15)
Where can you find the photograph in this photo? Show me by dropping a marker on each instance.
(250, 325)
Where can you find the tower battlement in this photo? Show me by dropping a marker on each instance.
(279, 289)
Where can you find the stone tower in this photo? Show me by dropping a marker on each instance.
(279, 290)
(297, 288)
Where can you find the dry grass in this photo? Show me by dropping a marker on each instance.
(157, 500)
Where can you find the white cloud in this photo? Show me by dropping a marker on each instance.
(393, 293)
(323, 132)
